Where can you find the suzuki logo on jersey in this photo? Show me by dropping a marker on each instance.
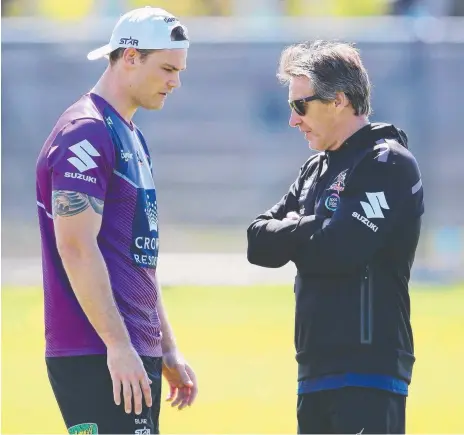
(83, 177)
(365, 221)
(377, 201)
(84, 151)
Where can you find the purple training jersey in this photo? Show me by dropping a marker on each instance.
(92, 150)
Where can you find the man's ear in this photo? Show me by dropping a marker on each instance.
(129, 56)
(341, 100)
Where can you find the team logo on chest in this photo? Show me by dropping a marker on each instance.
(145, 245)
(152, 214)
(338, 185)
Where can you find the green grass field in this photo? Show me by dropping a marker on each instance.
(240, 342)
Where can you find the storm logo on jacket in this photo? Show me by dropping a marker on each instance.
(339, 183)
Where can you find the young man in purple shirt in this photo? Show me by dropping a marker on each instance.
(108, 339)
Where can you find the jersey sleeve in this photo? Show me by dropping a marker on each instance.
(81, 158)
(379, 196)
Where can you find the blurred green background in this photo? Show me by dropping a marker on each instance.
(240, 342)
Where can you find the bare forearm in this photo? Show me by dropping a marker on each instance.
(168, 342)
(77, 221)
(88, 275)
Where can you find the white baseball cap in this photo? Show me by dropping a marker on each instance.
(145, 28)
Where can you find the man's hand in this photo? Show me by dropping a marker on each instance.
(127, 368)
(292, 215)
(181, 378)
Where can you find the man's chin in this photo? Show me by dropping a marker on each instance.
(158, 105)
(314, 146)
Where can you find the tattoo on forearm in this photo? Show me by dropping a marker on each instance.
(67, 203)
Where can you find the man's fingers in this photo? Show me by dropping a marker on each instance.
(146, 390)
(186, 399)
(184, 377)
(293, 215)
(172, 393)
(137, 394)
(182, 396)
(127, 393)
(193, 395)
(183, 388)
(194, 389)
(178, 398)
(116, 389)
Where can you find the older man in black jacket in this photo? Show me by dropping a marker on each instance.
(350, 223)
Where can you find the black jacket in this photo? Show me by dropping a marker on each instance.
(351, 287)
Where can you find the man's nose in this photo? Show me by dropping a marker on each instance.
(175, 82)
(294, 120)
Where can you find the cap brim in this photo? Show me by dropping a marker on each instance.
(100, 52)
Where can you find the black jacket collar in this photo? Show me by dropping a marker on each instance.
(365, 137)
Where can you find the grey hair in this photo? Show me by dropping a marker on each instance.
(331, 67)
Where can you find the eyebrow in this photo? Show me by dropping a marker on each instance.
(172, 66)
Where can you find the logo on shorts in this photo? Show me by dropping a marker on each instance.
(83, 428)
(140, 421)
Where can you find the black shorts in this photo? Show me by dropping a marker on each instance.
(351, 410)
(84, 391)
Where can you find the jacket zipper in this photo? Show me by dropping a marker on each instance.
(366, 308)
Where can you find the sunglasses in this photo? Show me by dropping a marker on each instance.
(299, 106)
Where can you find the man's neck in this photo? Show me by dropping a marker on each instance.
(349, 129)
(107, 88)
